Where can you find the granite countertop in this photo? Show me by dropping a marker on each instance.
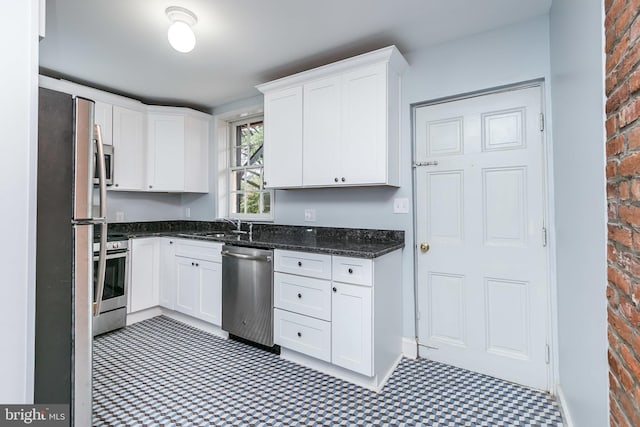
(360, 243)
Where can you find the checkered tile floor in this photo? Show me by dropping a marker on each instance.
(162, 372)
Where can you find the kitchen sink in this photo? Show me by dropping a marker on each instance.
(215, 233)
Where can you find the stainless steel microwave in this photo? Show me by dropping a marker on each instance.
(108, 165)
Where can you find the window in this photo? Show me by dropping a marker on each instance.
(247, 196)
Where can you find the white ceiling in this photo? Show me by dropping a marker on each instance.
(121, 45)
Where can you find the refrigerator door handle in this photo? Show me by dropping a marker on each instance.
(102, 256)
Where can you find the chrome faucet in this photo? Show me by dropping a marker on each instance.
(237, 222)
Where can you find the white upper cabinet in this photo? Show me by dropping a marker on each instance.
(283, 152)
(178, 150)
(103, 116)
(129, 149)
(350, 126)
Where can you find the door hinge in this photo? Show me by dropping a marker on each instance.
(544, 237)
(547, 354)
(541, 122)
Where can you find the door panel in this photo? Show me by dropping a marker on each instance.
(482, 284)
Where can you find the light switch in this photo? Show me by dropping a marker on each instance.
(310, 215)
(401, 205)
(119, 216)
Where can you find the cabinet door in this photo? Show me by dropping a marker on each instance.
(351, 328)
(167, 274)
(103, 116)
(129, 153)
(143, 283)
(196, 155)
(210, 292)
(322, 136)
(187, 283)
(363, 152)
(283, 138)
(165, 152)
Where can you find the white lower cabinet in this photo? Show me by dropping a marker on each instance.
(346, 311)
(199, 280)
(351, 324)
(178, 274)
(143, 274)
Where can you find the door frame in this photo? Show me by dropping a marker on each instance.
(548, 211)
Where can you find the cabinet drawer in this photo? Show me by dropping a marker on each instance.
(303, 334)
(303, 264)
(302, 295)
(353, 270)
(206, 251)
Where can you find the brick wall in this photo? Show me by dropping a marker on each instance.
(622, 26)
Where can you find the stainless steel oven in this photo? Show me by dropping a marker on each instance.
(113, 309)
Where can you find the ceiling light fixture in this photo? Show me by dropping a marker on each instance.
(180, 34)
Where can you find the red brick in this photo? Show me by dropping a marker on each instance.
(609, 39)
(630, 214)
(614, 342)
(607, 4)
(634, 30)
(635, 343)
(614, 11)
(629, 61)
(612, 190)
(617, 98)
(636, 241)
(612, 168)
(629, 113)
(615, 56)
(620, 326)
(611, 126)
(633, 138)
(629, 165)
(624, 19)
(630, 361)
(629, 409)
(629, 312)
(619, 279)
(620, 235)
(635, 189)
(619, 420)
(615, 145)
(623, 190)
(614, 365)
(611, 252)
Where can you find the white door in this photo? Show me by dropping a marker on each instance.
(482, 282)
(129, 149)
(187, 282)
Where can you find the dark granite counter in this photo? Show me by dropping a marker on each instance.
(361, 243)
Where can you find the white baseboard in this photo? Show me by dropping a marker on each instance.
(149, 313)
(141, 315)
(409, 348)
(564, 407)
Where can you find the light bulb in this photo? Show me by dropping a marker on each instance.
(181, 37)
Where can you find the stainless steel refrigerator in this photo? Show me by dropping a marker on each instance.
(67, 144)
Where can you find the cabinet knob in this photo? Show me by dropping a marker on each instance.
(335, 179)
(193, 264)
(264, 183)
(151, 186)
(343, 180)
(171, 242)
(299, 295)
(335, 289)
(197, 265)
(299, 263)
(350, 271)
(117, 185)
(300, 334)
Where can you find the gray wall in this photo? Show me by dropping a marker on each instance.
(18, 112)
(576, 29)
(138, 206)
(504, 56)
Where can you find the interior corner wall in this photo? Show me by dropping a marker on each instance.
(500, 57)
(19, 112)
(577, 93)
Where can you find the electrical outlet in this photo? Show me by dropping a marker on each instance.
(187, 212)
(401, 205)
(119, 216)
(310, 215)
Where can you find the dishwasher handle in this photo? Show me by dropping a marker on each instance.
(247, 257)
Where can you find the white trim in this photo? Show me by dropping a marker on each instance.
(374, 383)
(156, 311)
(564, 408)
(410, 347)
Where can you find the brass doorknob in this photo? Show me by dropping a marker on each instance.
(424, 247)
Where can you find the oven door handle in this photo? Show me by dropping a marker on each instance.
(102, 255)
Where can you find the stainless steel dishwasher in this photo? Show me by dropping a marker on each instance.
(247, 293)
